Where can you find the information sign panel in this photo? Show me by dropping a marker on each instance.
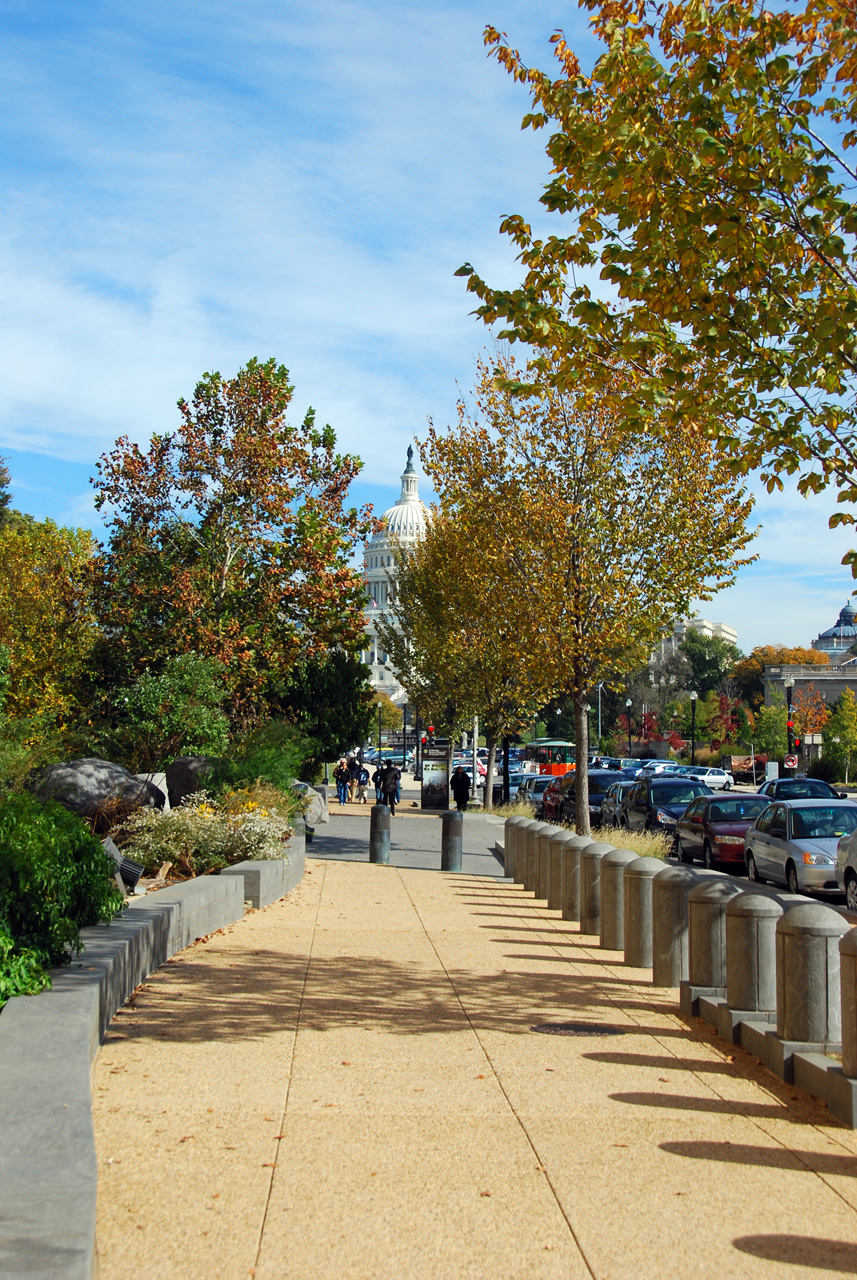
(435, 784)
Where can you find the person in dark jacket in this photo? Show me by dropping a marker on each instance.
(340, 777)
(389, 786)
(460, 785)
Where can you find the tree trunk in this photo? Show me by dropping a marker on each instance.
(581, 783)
(488, 801)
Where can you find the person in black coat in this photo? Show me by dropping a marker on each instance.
(390, 786)
(460, 785)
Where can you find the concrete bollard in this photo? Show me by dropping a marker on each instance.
(532, 855)
(521, 848)
(848, 982)
(379, 834)
(570, 877)
(808, 985)
(751, 953)
(670, 956)
(590, 885)
(451, 840)
(510, 831)
(706, 906)
(556, 852)
(638, 911)
(613, 866)
(543, 864)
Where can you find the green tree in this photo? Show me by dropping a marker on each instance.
(230, 538)
(771, 732)
(5, 495)
(839, 735)
(330, 701)
(710, 658)
(702, 172)
(387, 714)
(174, 713)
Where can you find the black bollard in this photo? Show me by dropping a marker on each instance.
(379, 834)
(450, 841)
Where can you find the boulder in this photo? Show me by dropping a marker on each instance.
(100, 791)
(188, 774)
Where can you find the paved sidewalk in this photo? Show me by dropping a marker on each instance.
(348, 1084)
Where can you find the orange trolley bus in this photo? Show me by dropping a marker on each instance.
(549, 755)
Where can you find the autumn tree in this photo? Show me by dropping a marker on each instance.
(702, 172)
(810, 712)
(749, 673)
(229, 537)
(386, 714)
(598, 539)
(5, 495)
(840, 735)
(453, 634)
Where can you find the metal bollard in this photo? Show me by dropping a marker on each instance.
(808, 985)
(543, 860)
(613, 866)
(706, 905)
(848, 974)
(590, 885)
(570, 877)
(751, 953)
(521, 848)
(379, 834)
(638, 911)
(670, 956)
(556, 852)
(532, 855)
(452, 835)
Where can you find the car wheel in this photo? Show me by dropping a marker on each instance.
(753, 870)
(851, 892)
(791, 878)
(681, 852)
(726, 786)
(708, 858)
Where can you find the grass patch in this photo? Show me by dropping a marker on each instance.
(647, 844)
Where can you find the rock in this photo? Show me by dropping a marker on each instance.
(188, 774)
(100, 791)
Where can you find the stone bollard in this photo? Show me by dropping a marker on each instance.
(848, 976)
(638, 911)
(521, 848)
(379, 834)
(706, 907)
(590, 885)
(570, 877)
(808, 985)
(556, 853)
(451, 839)
(543, 860)
(531, 870)
(670, 958)
(509, 832)
(751, 954)
(613, 866)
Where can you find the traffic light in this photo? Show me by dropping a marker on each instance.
(797, 744)
(790, 724)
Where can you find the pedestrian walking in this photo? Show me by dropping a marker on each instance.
(460, 785)
(340, 777)
(389, 782)
(353, 770)
(362, 784)
(376, 783)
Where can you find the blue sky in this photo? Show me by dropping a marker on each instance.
(190, 184)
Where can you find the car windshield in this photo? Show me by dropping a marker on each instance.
(824, 822)
(737, 809)
(801, 789)
(678, 792)
(541, 783)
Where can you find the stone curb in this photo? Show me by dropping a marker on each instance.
(48, 1167)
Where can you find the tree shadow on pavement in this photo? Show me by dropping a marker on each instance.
(802, 1251)
(776, 1157)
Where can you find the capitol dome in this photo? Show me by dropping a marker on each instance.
(405, 523)
(841, 636)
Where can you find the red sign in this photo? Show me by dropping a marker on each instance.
(791, 762)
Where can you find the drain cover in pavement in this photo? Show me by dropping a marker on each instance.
(578, 1029)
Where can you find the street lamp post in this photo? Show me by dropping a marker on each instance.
(789, 683)
(693, 698)
(628, 717)
(600, 687)
(404, 736)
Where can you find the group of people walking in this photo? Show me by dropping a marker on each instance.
(352, 779)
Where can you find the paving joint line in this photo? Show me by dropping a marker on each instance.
(281, 1135)
(542, 1168)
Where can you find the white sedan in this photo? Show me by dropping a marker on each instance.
(717, 779)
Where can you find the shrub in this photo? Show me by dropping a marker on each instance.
(207, 833)
(175, 713)
(55, 879)
(828, 769)
(271, 753)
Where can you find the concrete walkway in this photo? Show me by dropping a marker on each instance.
(349, 1084)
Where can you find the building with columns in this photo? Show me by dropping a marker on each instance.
(405, 524)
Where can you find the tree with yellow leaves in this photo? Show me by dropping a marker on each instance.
(592, 538)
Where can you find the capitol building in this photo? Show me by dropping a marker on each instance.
(405, 524)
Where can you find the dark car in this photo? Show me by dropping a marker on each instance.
(655, 804)
(600, 780)
(713, 828)
(532, 789)
(800, 789)
(553, 797)
(612, 802)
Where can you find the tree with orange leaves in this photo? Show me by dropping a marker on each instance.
(229, 537)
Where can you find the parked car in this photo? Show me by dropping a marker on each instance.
(532, 789)
(612, 802)
(655, 804)
(605, 762)
(713, 828)
(515, 780)
(552, 796)
(800, 789)
(599, 781)
(846, 869)
(795, 842)
(717, 779)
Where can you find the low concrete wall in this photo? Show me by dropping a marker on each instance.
(48, 1170)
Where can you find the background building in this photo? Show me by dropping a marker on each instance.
(405, 524)
(670, 644)
(838, 639)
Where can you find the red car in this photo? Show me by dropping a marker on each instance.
(712, 828)
(553, 797)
